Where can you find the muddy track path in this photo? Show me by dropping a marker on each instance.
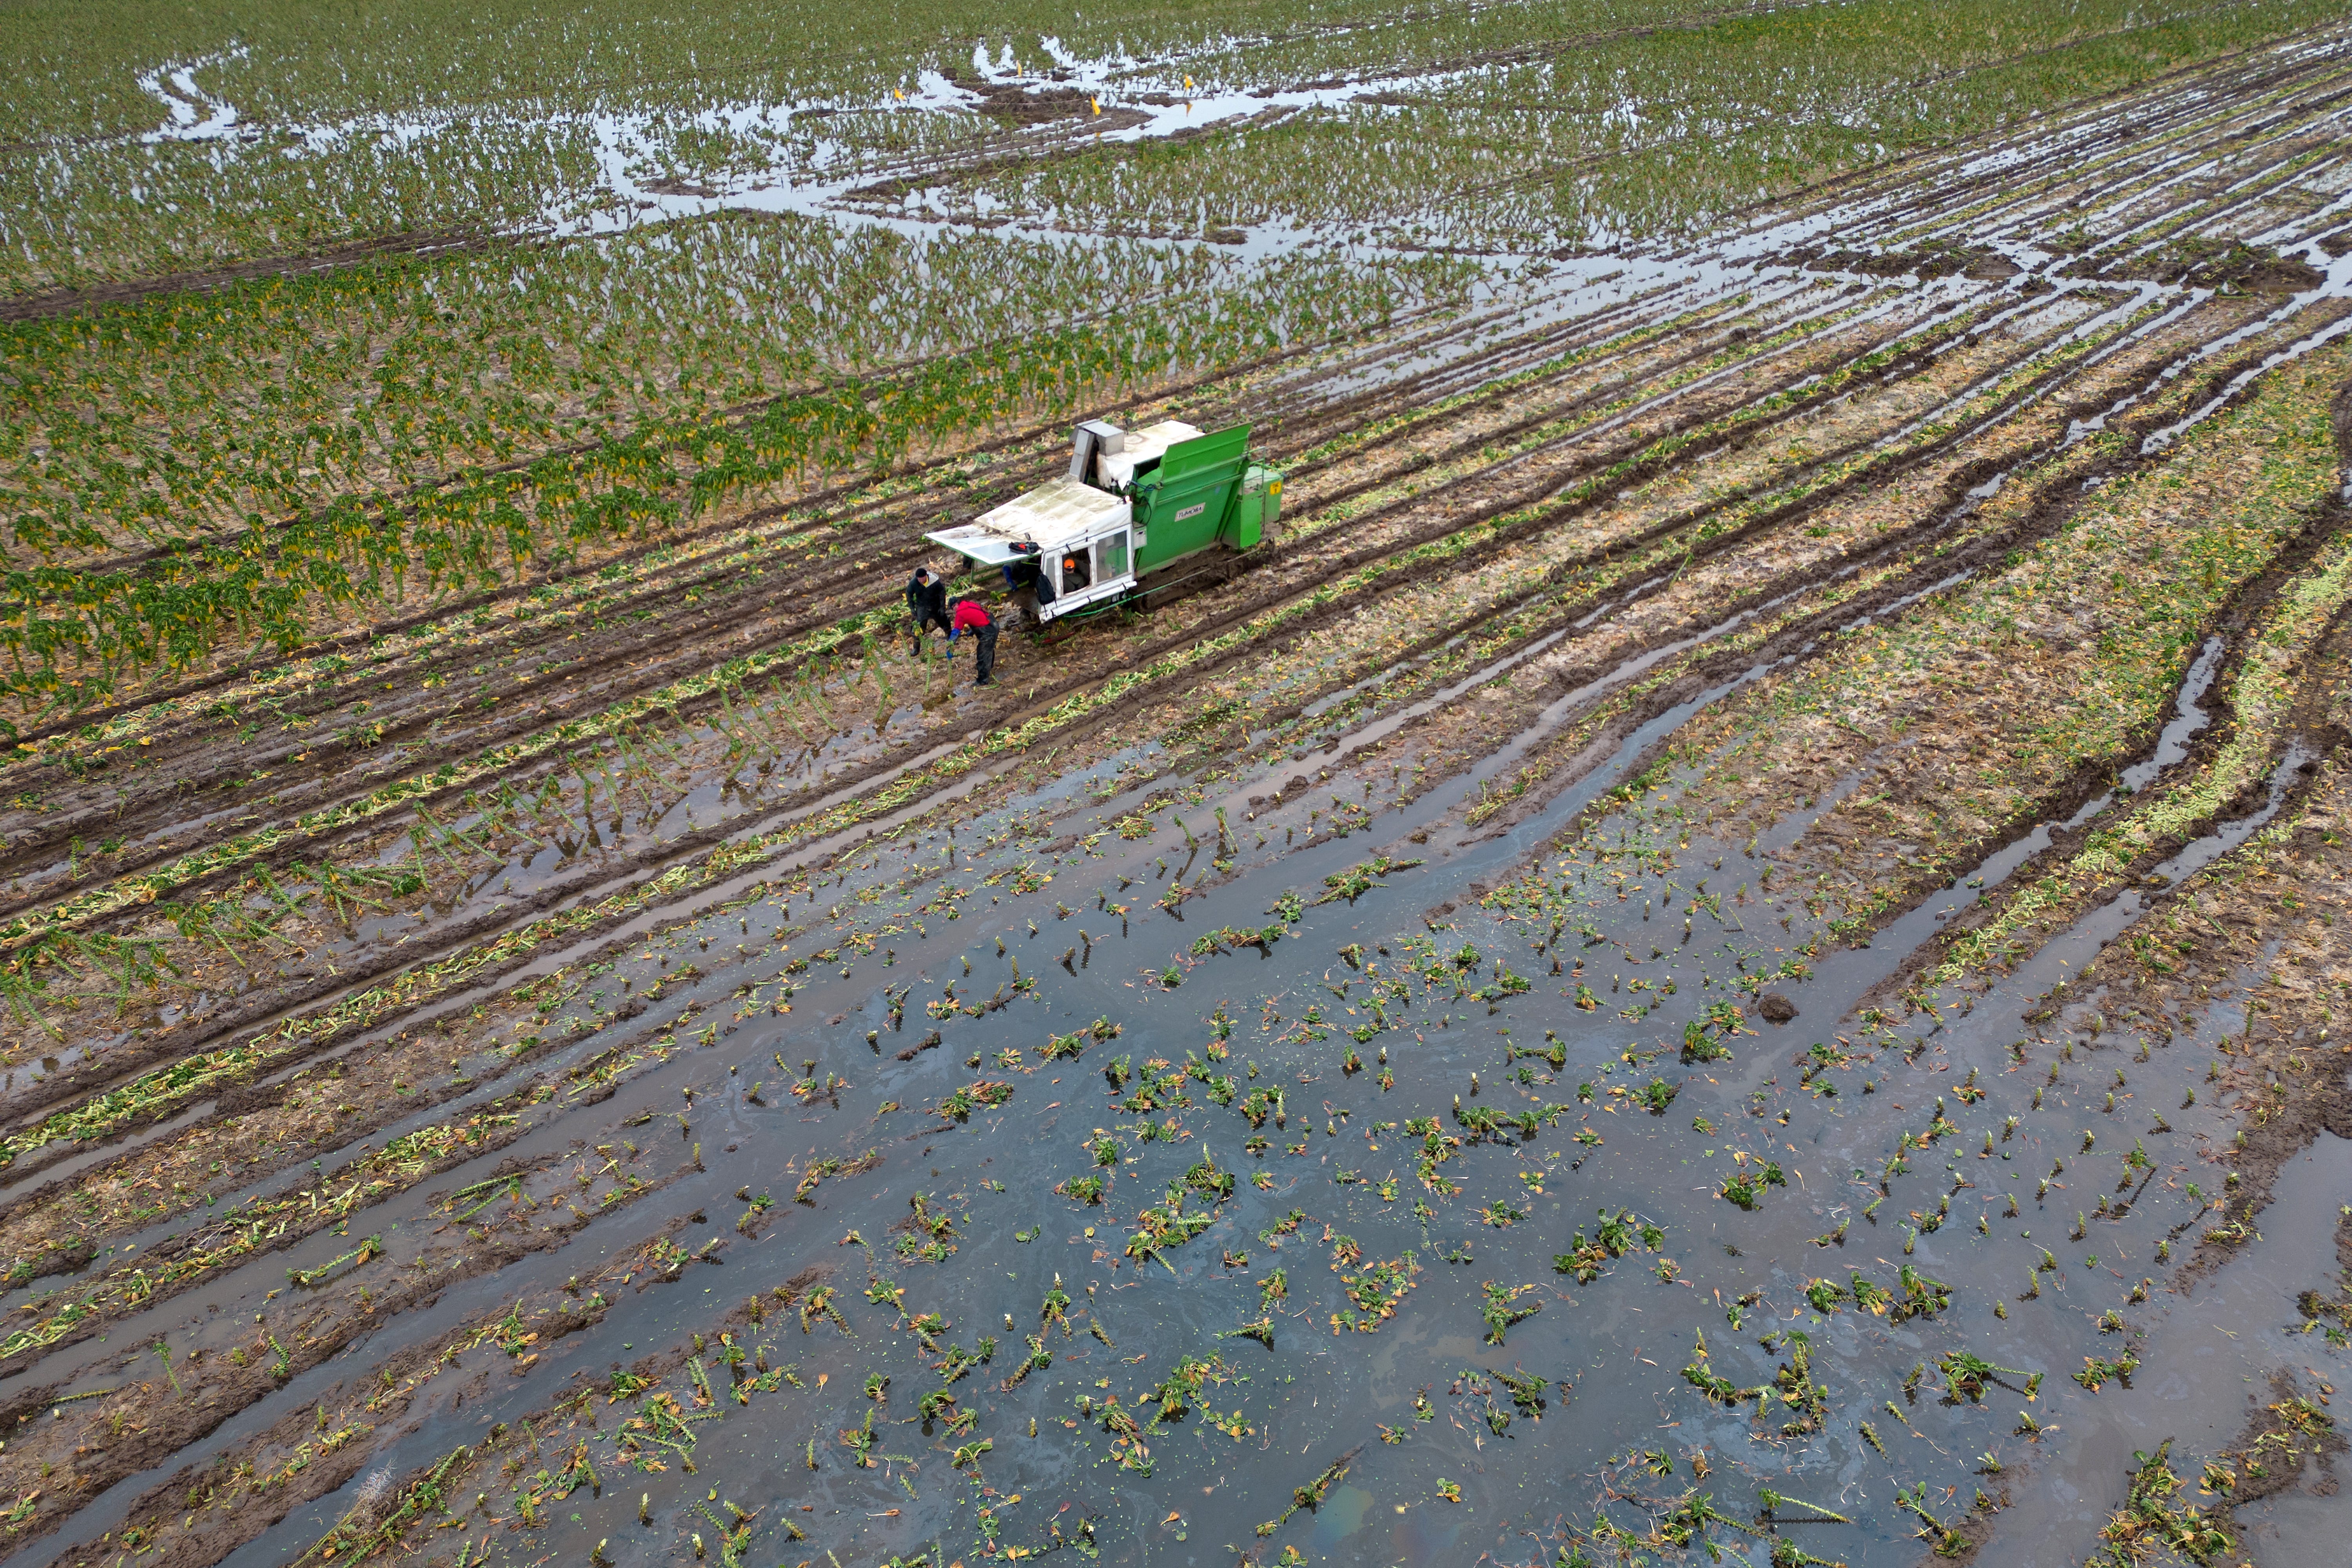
(1302, 564)
(585, 690)
(1311, 567)
(816, 589)
(384, 1059)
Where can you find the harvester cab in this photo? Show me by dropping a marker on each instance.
(1134, 505)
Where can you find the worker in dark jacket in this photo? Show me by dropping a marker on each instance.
(969, 616)
(1032, 589)
(927, 601)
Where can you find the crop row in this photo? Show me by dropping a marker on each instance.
(1448, 557)
(72, 634)
(135, 426)
(1544, 125)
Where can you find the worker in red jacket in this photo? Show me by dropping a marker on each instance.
(971, 618)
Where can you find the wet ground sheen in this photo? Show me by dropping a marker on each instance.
(1727, 948)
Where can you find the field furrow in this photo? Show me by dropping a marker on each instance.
(1822, 531)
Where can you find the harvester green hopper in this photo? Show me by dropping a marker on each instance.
(1140, 513)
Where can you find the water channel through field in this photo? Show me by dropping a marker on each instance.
(1416, 1323)
(997, 1176)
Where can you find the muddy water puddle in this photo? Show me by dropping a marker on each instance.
(1820, 1218)
(1427, 1373)
(2208, 1361)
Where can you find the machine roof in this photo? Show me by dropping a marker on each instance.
(1056, 513)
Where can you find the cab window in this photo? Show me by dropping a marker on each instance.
(1111, 557)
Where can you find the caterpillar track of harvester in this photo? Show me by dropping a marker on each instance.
(1140, 515)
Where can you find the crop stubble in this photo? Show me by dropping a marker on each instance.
(1748, 491)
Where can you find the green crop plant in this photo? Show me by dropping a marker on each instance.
(1966, 1374)
(74, 633)
(1616, 1235)
(2098, 1370)
(1499, 1308)
(2149, 1518)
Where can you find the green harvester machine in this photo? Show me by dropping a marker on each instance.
(1141, 513)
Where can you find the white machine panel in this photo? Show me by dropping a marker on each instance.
(1050, 516)
(1115, 469)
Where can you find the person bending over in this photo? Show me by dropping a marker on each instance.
(971, 616)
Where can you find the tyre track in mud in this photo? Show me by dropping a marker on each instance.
(2060, 493)
(2236, 625)
(503, 1106)
(2196, 139)
(1100, 721)
(689, 656)
(2210, 379)
(332, 258)
(715, 836)
(322, 1330)
(414, 1298)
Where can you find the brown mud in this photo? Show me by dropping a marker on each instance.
(2042, 510)
(1623, 460)
(357, 252)
(1630, 502)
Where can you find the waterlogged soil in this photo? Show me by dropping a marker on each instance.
(1731, 944)
(1425, 1255)
(65, 301)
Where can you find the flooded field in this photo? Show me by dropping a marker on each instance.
(1729, 941)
